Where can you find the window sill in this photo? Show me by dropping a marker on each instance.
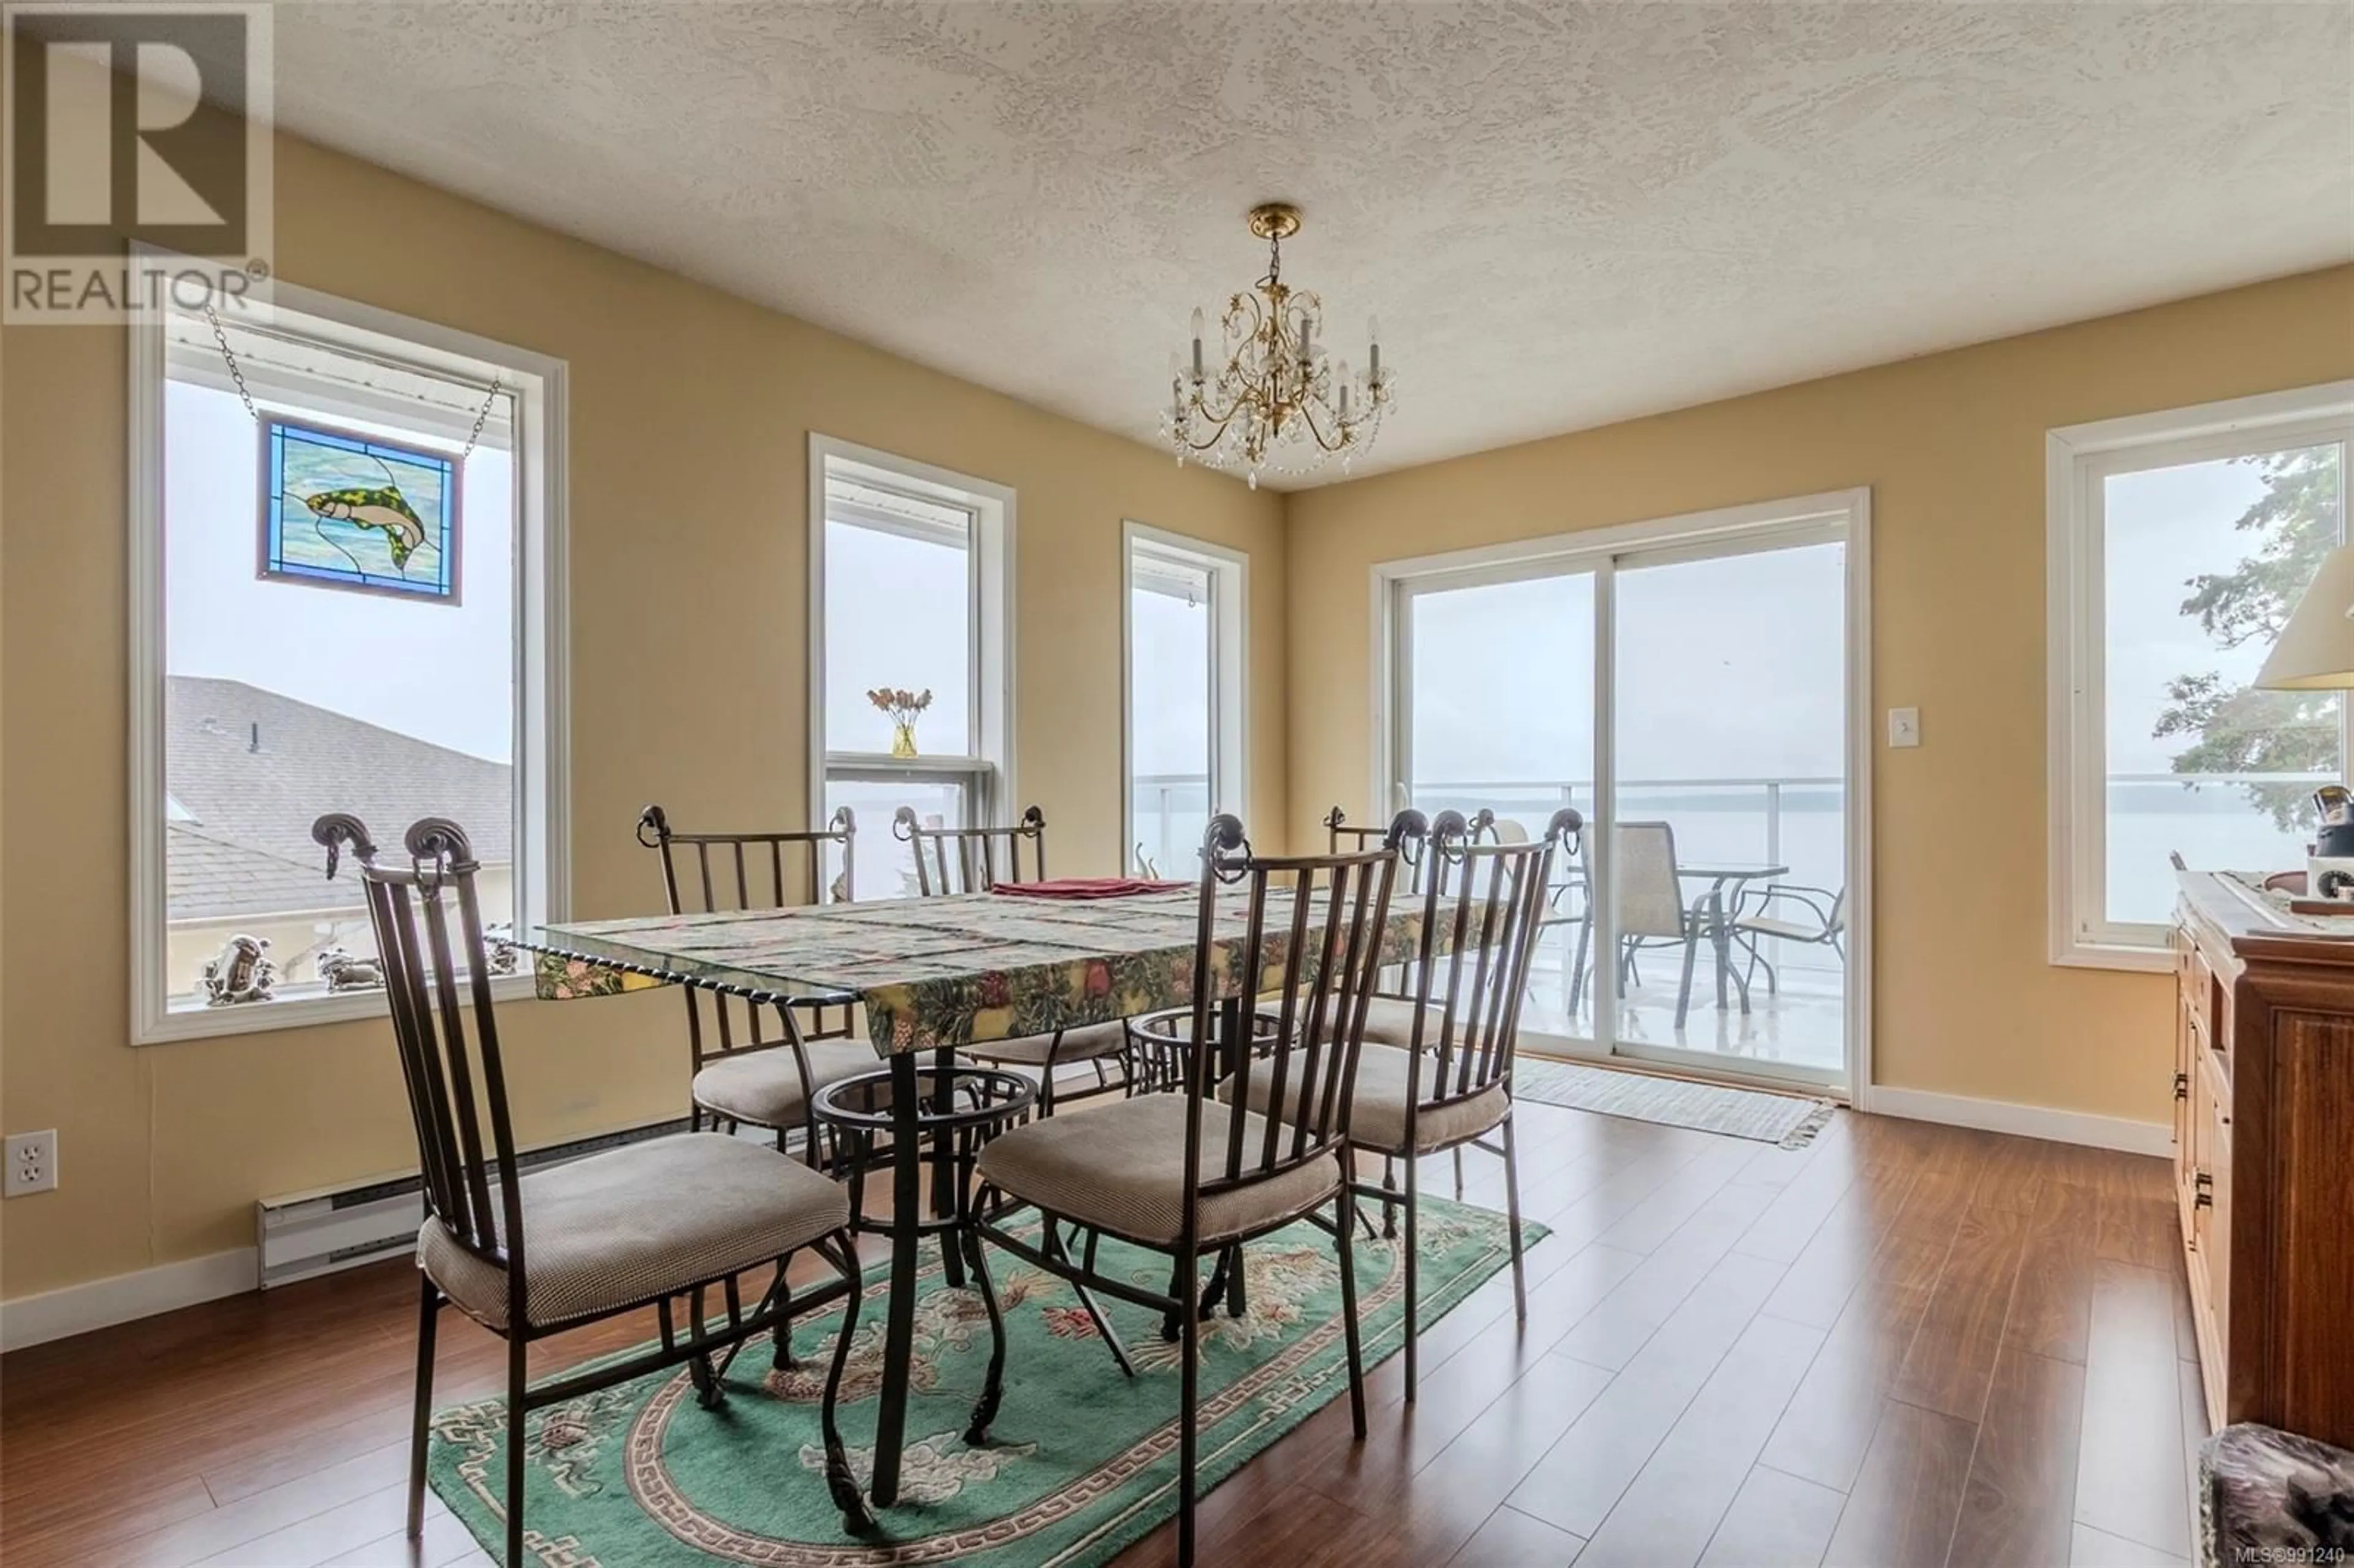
(854, 764)
(2114, 955)
(301, 1009)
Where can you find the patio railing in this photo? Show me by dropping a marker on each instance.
(1170, 810)
(1775, 798)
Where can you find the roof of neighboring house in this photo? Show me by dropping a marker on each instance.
(213, 878)
(250, 771)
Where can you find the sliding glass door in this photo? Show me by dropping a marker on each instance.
(1689, 699)
(1730, 727)
(1499, 673)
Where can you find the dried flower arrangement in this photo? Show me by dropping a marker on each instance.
(904, 708)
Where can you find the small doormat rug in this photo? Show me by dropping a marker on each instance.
(1786, 1119)
(1080, 1462)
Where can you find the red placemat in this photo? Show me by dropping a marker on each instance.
(1087, 887)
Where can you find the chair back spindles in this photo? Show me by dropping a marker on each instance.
(1313, 929)
(438, 989)
(1483, 907)
(730, 872)
(1343, 837)
(973, 860)
(765, 871)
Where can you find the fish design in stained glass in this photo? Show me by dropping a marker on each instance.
(344, 510)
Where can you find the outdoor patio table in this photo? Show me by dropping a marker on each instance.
(933, 974)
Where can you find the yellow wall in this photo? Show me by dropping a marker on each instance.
(1952, 446)
(688, 439)
(689, 422)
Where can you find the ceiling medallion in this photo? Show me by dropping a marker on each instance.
(1276, 401)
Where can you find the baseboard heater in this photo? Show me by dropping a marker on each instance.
(310, 1233)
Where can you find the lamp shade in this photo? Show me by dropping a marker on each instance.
(2316, 650)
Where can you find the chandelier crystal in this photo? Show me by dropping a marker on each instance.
(1276, 401)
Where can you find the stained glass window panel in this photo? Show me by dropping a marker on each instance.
(350, 511)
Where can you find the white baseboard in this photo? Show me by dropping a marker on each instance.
(102, 1303)
(2026, 1121)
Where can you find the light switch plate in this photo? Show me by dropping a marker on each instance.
(1903, 727)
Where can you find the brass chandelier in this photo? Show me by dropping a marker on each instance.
(1277, 401)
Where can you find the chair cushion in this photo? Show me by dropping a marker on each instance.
(1377, 1115)
(764, 1087)
(639, 1222)
(1082, 1044)
(1121, 1168)
(1390, 1019)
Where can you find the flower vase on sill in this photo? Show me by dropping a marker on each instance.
(903, 708)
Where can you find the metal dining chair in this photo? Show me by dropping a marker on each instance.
(1389, 1015)
(1186, 1176)
(751, 1069)
(574, 1243)
(1450, 1085)
(1566, 901)
(976, 860)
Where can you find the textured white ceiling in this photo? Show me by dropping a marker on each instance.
(1563, 215)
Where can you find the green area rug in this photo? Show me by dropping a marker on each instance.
(1080, 1462)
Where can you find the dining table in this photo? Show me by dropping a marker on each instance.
(932, 975)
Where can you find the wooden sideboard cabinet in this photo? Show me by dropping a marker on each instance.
(2264, 1154)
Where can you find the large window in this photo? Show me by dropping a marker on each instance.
(1187, 616)
(2180, 543)
(344, 598)
(911, 686)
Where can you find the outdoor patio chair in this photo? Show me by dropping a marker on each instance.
(1650, 910)
(1810, 916)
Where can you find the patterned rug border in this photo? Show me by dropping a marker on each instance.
(1529, 1071)
(1223, 1455)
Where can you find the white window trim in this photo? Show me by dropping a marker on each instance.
(992, 505)
(1765, 524)
(1229, 572)
(542, 878)
(2076, 459)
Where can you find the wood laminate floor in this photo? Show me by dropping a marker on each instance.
(1905, 1345)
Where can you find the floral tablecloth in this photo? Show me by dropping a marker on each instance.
(938, 972)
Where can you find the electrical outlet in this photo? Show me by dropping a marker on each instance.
(32, 1163)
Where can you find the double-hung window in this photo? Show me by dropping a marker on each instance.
(346, 596)
(2181, 542)
(1187, 621)
(911, 687)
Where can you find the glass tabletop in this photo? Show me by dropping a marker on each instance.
(1732, 870)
